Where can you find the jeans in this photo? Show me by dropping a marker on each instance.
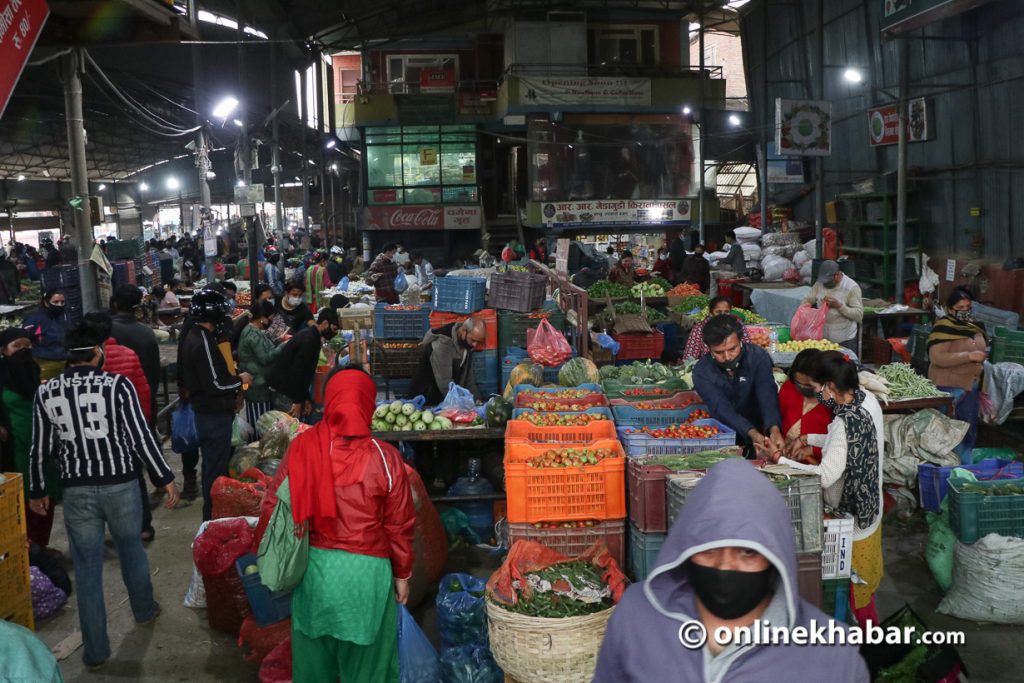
(214, 431)
(147, 513)
(86, 510)
(966, 407)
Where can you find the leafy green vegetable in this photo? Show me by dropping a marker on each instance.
(603, 289)
(688, 303)
(638, 372)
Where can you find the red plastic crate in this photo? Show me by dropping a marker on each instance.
(677, 401)
(635, 346)
(591, 401)
(575, 541)
(647, 495)
(524, 430)
(734, 294)
(488, 315)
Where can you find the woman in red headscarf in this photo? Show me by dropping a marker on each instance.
(351, 493)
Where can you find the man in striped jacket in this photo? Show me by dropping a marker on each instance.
(92, 423)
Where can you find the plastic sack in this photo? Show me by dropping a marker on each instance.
(227, 605)
(429, 546)
(461, 615)
(457, 527)
(775, 267)
(46, 597)
(417, 659)
(220, 544)
(277, 666)
(800, 258)
(938, 552)
(259, 641)
(244, 458)
(548, 346)
(401, 282)
(792, 275)
(195, 596)
(524, 557)
(457, 399)
(343, 285)
(183, 429)
(275, 441)
(470, 664)
(808, 322)
(747, 235)
(241, 430)
(234, 498)
(988, 581)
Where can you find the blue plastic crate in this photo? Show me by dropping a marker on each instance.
(399, 387)
(933, 481)
(643, 551)
(488, 388)
(400, 324)
(628, 416)
(268, 607)
(638, 444)
(460, 294)
(516, 355)
(519, 412)
(485, 368)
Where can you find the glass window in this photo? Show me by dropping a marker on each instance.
(421, 164)
(384, 165)
(458, 164)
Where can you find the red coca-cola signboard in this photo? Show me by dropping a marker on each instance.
(21, 22)
(422, 217)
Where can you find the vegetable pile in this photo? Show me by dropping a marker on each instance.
(401, 307)
(559, 420)
(603, 289)
(904, 382)
(1007, 488)
(566, 525)
(663, 404)
(741, 313)
(686, 289)
(557, 394)
(678, 431)
(637, 372)
(797, 346)
(571, 457)
(647, 392)
(566, 589)
(400, 416)
(690, 461)
(647, 289)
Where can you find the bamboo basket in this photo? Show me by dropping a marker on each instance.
(541, 650)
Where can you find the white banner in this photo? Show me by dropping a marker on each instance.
(585, 90)
(616, 212)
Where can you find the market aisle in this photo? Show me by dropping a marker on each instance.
(179, 646)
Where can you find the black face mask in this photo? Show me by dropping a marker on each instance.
(55, 310)
(808, 392)
(730, 365)
(22, 356)
(730, 594)
(830, 403)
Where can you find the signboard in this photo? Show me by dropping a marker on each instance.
(437, 80)
(585, 90)
(422, 217)
(884, 123)
(428, 156)
(383, 196)
(803, 127)
(903, 16)
(21, 22)
(616, 212)
(783, 169)
(249, 194)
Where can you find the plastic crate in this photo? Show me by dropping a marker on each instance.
(353, 318)
(637, 346)
(647, 391)
(837, 548)
(397, 387)
(395, 359)
(460, 294)
(644, 547)
(564, 494)
(517, 291)
(513, 327)
(519, 412)
(803, 496)
(628, 416)
(485, 368)
(835, 598)
(932, 480)
(576, 541)
(523, 430)
(973, 515)
(59, 277)
(488, 315)
(809, 577)
(648, 495)
(400, 324)
(639, 444)
(993, 318)
(15, 583)
(268, 607)
(677, 401)
(12, 507)
(677, 488)
(1007, 346)
(596, 399)
(123, 249)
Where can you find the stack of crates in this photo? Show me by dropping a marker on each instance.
(65, 279)
(398, 331)
(515, 329)
(567, 508)
(485, 356)
(15, 584)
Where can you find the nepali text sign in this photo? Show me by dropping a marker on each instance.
(615, 212)
(585, 90)
(884, 123)
(421, 217)
(21, 22)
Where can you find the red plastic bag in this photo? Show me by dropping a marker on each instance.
(234, 498)
(277, 666)
(223, 542)
(528, 556)
(792, 275)
(259, 641)
(808, 322)
(547, 345)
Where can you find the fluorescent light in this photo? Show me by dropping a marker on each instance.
(331, 144)
(694, 26)
(172, 183)
(241, 183)
(853, 76)
(687, 110)
(225, 107)
(101, 187)
(143, 187)
(238, 122)
(334, 167)
(21, 176)
(734, 120)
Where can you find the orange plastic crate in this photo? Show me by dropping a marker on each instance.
(564, 494)
(12, 509)
(524, 430)
(15, 584)
(488, 315)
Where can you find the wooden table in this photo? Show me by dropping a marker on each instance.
(911, 405)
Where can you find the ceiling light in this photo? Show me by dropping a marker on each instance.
(686, 110)
(172, 183)
(734, 120)
(241, 183)
(225, 107)
(21, 176)
(143, 187)
(853, 76)
(101, 187)
(238, 123)
(331, 144)
(334, 167)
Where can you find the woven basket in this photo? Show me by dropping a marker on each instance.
(541, 650)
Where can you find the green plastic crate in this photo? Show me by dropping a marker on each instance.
(835, 598)
(973, 515)
(512, 327)
(1006, 348)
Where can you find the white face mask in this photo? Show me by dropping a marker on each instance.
(295, 300)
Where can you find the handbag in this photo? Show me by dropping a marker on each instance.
(282, 556)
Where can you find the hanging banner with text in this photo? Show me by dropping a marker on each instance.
(21, 22)
(420, 217)
(884, 123)
(616, 212)
(585, 90)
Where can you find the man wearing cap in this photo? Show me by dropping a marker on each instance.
(841, 295)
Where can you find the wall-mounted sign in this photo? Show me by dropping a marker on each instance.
(21, 22)
(437, 80)
(884, 123)
(903, 16)
(383, 196)
(585, 90)
(784, 169)
(615, 212)
(803, 127)
(249, 194)
(428, 156)
(422, 217)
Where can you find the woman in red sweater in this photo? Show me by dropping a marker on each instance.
(802, 413)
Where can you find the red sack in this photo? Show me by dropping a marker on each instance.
(234, 498)
(808, 322)
(227, 606)
(429, 543)
(547, 346)
(259, 641)
(223, 542)
(528, 556)
(277, 666)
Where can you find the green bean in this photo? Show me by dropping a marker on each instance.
(904, 382)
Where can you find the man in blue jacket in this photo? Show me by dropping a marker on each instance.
(735, 380)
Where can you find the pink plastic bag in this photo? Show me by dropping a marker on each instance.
(548, 346)
(808, 323)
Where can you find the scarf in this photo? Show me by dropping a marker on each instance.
(860, 488)
(19, 373)
(342, 436)
(950, 329)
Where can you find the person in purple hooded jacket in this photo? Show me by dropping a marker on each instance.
(729, 560)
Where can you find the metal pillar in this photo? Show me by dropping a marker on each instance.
(700, 108)
(202, 149)
(72, 63)
(819, 164)
(763, 170)
(245, 151)
(303, 116)
(901, 168)
(276, 149)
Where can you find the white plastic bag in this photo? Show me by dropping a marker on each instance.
(929, 281)
(805, 271)
(800, 258)
(751, 251)
(774, 267)
(195, 596)
(747, 235)
(988, 581)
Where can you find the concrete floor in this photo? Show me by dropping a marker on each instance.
(181, 647)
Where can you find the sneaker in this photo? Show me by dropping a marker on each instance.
(156, 613)
(191, 489)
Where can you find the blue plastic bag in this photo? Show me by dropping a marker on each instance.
(458, 398)
(417, 659)
(461, 616)
(343, 285)
(183, 429)
(401, 282)
(606, 342)
(470, 664)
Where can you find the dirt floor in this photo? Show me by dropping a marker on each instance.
(182, 647)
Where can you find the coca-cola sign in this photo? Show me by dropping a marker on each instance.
(422, 217)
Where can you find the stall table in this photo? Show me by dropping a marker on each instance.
(912, 405)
